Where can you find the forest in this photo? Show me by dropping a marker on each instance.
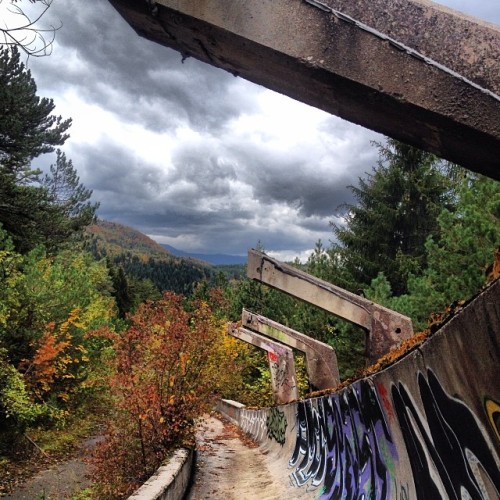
(132, 343)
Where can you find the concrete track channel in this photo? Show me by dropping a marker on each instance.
(229, 465)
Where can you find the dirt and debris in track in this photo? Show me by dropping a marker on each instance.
(230, 465)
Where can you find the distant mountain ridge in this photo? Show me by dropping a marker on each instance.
(218, 259)
(143, 258)
(117, 238)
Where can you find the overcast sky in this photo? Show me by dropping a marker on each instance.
(191, 155)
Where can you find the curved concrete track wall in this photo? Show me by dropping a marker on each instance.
(427, 427)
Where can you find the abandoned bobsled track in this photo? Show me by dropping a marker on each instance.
(427, 426)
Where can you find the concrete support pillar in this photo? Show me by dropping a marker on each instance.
(410, 69)
(321, 360)
(281, 363)
(386, 329)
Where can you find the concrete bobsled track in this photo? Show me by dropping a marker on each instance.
(426, 427)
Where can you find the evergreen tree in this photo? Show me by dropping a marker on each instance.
(121, 289)
(50, 213)
(469, 234)
(142, 291)
(396, 211)
(33, 212)
(70, 209)
(23, 212)
(457, 261)
(27, 126)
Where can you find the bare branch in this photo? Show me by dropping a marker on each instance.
(21, 29)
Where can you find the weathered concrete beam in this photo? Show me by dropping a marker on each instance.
(281, 363)
(386, 329)
(424, 75)
(321, 360)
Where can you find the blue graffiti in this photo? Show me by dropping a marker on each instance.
(344, 444)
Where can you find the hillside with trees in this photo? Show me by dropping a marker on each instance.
(141, 258)
(112, 239)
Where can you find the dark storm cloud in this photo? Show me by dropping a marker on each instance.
(315, 180)
(143, 195)
(111, 66)
(202, 168)
(297, 185)
(108, 169)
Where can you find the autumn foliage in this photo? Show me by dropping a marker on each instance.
(58, 365)
(170, 364)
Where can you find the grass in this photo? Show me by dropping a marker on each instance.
(65, 439)
(85, 494)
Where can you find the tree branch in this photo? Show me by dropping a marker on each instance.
(26, 35)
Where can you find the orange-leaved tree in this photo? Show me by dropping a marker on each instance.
(170, 363)
(56, 373)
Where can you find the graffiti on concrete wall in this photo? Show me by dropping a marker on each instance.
(448, 451)
(344, 444)
(282, 372)
(492, 409)
(254, 423)
(276, 425)
(278, 367)
(401, 491)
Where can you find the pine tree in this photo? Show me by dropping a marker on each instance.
(459, 259)
(70, 210)
(122, 292)
(396, 211)
(35, 212)
(27, 126)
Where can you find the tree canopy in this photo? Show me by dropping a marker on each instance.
(27, 126)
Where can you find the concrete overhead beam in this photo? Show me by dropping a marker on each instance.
(412, 70)
(281, 363)
(386, 329)
(321, 360)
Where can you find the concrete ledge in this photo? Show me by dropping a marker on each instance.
(230, 409)
(440, 94)
(170, 481)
